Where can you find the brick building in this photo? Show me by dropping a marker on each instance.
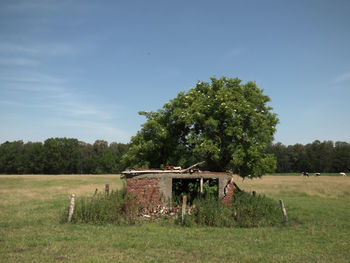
(154, 189)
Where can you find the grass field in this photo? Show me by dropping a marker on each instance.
(30, 205)
(299, 174)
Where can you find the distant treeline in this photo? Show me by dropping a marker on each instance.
(61, 156)
(318, 156)
(70, 156)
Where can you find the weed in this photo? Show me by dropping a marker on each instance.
(245, 211)
(102, 209)
(255, 211)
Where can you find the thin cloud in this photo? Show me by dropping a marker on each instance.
(18, 62)
(19, 104)
(37, 90)
(15, 48)
(8, 103)
(74, 108)
(59, 49)
(31, 87)
(51, 49)
(342, 77)
(94, 129)
(29, 77)
(230, 54)
(234, 52)
(33, 5)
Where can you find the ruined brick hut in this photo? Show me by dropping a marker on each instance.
(153, 188)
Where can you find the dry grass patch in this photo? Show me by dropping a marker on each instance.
(324, 186)
(14, 189)
(83, 177)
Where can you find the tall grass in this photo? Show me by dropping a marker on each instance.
(245, 210)
(101, 209)
(255, 210)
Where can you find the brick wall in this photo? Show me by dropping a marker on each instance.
(144, 193)
(227, 199)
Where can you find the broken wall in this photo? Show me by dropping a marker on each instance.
(154, 191)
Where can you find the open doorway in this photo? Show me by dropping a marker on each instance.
(192, 188)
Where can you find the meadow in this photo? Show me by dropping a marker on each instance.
(318, 209)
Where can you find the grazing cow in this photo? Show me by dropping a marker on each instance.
(342, 174)
(305, 174)
(317, 174)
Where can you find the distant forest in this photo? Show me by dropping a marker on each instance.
(326, 157)
(70, 156)
(61, 156)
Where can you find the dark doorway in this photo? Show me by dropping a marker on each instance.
(191, 188)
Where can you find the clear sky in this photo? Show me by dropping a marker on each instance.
(83, 69)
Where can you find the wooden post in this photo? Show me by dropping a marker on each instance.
(93, 197)
(184, 201)
(201, 184)
(284, 212)
(107, 189)
(71, 207)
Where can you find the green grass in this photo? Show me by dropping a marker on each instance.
(30, 230)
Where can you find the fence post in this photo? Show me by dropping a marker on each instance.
(93, 197)
(71, 208)
(284, 212)
(184, 201)
(107, 189)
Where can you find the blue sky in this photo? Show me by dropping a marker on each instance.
(83, 69)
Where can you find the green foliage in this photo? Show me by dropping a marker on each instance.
(246, 210)
(34, 158)
(11, 157)
(324, 157)
(191, 188)
(61, 156)
(225, 123)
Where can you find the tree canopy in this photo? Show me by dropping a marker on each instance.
(225, 123)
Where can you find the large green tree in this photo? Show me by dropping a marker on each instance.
(225, 123)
